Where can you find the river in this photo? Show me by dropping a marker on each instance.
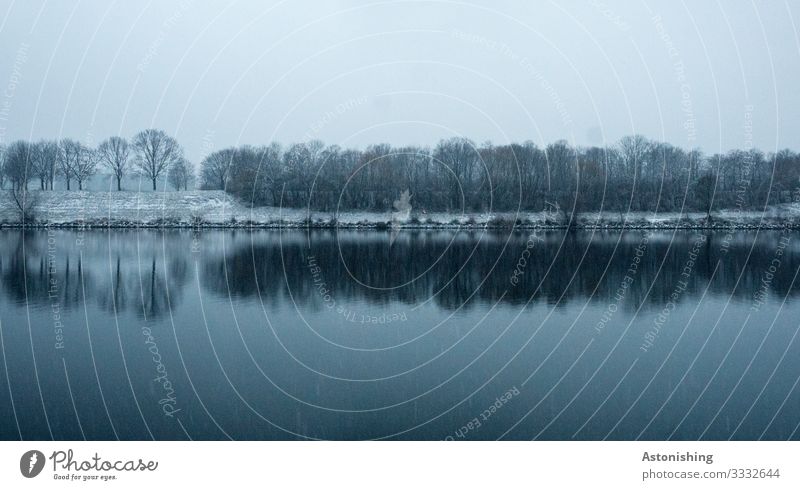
(554, 335)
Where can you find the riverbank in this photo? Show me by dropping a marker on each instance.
(216, 209)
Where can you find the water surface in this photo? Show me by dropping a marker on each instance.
(410, 335)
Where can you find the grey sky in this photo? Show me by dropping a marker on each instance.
(214, 74)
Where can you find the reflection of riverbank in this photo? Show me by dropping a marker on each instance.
(350, 315)
(144, 271)
(141, 272)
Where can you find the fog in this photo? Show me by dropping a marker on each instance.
(214, 74)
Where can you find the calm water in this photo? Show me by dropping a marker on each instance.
(416, 335)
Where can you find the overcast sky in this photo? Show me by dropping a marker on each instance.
(710, 74)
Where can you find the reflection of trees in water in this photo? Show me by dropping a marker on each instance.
(126, 270)
(266, 266)
(12, 268)
(111, 280)
(155, 288)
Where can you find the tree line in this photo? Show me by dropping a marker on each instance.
(150, 153)
(456, 174)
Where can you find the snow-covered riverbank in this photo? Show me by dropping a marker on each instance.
(218, 209)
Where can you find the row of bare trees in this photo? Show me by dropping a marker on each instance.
(456, 174)
(635, 174)
(151, 153)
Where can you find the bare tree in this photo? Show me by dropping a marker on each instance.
(215, 169)
(68, 158)
(459, 155)
(248, 172)
(114, 154)
(155, 153)
(38, 163)
(17, 164)
(298, 161)
(44, 158)
(562, 163)
(50, 154)
(255, 174)
(271, 174)
(704, 192)
(634, 151)
(86, 165)
(180, 174)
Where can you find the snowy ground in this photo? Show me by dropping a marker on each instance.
(216, 208)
